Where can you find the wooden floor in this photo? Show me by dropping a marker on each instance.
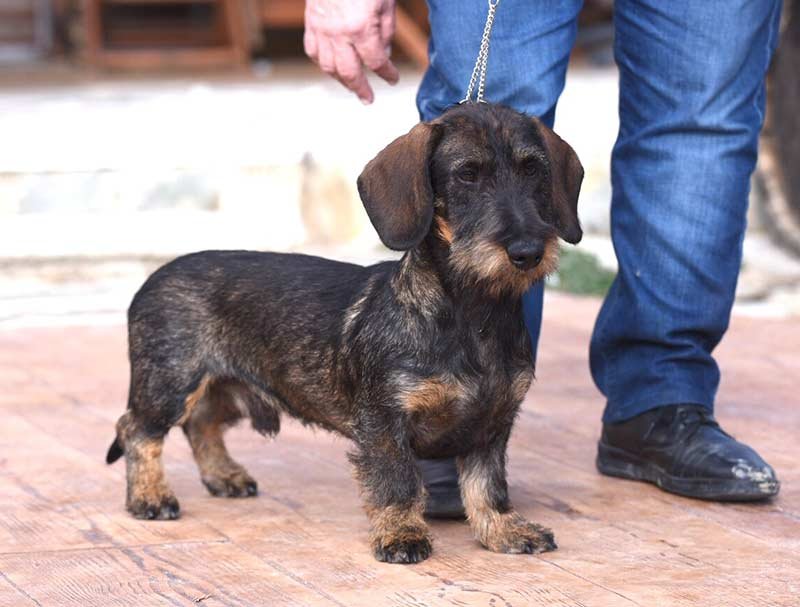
(65, 538)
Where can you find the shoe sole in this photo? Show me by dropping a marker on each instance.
(619, 463)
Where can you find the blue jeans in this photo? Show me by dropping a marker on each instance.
(691, 107)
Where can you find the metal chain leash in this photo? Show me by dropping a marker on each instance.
(479, 71)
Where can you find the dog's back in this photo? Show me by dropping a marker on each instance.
(283, 316)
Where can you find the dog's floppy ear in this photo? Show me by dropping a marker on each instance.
(567, 174)
(396, 190)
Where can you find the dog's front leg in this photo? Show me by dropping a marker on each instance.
(496, 525)
(395, 500)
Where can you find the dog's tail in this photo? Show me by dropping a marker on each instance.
(114, 451)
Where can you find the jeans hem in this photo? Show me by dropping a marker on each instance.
(615, 414)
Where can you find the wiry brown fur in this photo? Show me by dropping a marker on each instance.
(193, 399)
(444, 230)
(497, 526)
(400, 533)
(204, 430)
(481, 261)
(433, 394)
(148, 494)
(424, 357)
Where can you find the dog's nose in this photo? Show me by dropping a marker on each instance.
(525, 254)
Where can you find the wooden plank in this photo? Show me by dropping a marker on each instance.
(32, 374)
(11, 595)
(461, 573)
(182, 574)
(33, 529)
(307, 515)
(622, 536)
(304, 539)
(54, 497)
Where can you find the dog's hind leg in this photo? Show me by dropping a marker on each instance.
(148, 494)
(157, 399)
(223, 404)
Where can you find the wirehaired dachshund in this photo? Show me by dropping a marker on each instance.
(425, 357)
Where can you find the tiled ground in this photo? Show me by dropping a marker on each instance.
(65, 538)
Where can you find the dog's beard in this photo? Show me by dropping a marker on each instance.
(485, 265)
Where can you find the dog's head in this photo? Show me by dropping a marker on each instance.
(496, 187)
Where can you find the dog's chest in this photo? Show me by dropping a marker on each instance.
(449, 413)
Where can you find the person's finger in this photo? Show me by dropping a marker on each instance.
(325, 57)
(310, 44)
(375, 55)
(350, 71)
(388, 71)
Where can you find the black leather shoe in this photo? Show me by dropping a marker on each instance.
(682, 449)
(440, 477)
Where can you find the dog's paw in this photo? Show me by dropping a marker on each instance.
(238, 484)
(165, 509)
(522, 537)
(404, 551)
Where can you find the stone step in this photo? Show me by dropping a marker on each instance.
(118, 214)
(109, 168)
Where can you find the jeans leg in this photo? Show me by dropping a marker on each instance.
(528, 57)
(691, 107)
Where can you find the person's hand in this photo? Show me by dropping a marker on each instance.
(344, 36)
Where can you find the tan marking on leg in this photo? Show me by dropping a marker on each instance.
(395, 525)
(499, 531)
(483, 518)
(148, 494)
(220, 473)
(147, 483)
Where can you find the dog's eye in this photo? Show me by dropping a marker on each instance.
(468, 174)
(530, 167)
